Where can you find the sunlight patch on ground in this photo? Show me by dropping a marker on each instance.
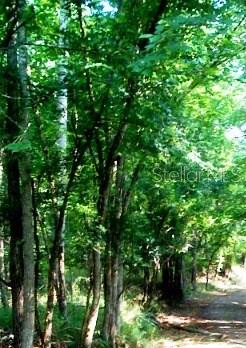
(189, 343)
(207, 345)
(174, 319)
(239, 276)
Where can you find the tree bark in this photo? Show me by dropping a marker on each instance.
(14, 196)
(113, 274)
(3, 293)
(57, 258)
(91, 316)
(61, 293)
(90, 320)
(167, 279)
(172, 277)
(28, 324)
(62, 110)
(37, 265)
(4, 298)
(194, 268)
(146, 285)
(112, 300)
(178, 288)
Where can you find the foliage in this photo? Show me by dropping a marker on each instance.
(163, 89)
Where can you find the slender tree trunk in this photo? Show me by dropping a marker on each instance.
(4, 298)
(16, 259)
(28, 324)
(146, 284)
(37, 265)
(90, 319)
(113, 287)
(111, 279)
(178, 287)
(194, 269)
(167, 280)
(51, 291)
(3, 293)
(57, 257)
(207, 276)
(113, 283)
(112, 299)
(37, 255)
(14, 197)
(111, 271)
(62, 108)
(61, 293)
(120, 291)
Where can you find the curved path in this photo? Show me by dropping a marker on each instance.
(217, 323)
(226, 315)
(224, 318)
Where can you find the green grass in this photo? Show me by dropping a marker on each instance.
(137, 329)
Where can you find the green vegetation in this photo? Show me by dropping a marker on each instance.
(122, 162)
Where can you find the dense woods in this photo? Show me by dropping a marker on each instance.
(122, 162)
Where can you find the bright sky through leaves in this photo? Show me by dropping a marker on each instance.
(107, 7)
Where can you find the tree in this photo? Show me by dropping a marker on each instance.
(19, 183)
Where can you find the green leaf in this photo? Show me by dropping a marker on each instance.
(21, 146)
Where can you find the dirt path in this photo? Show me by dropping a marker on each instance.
(219, 321)
(226, 315)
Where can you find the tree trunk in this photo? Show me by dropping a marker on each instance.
(178, 287)
(16, 259)
(56, 264)
(4, 298)
(207, 276)
(61, 293)
(62, 109)
(14, 197)
(172, 277)
(37, 265)
(111, 270)
(112, 300)
(28, 324)
(92, 308)
(3, 293)
(146, 284)
(194, 269)
(113, 280)
(51, 290)
(120, 291)
(90, 319)
(167, 280)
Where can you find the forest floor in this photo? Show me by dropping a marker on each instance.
(215, 320)
(208, 319)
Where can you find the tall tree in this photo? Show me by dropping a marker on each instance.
(28, 324)
(56, 280)
(19, 181)
(13, 184)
